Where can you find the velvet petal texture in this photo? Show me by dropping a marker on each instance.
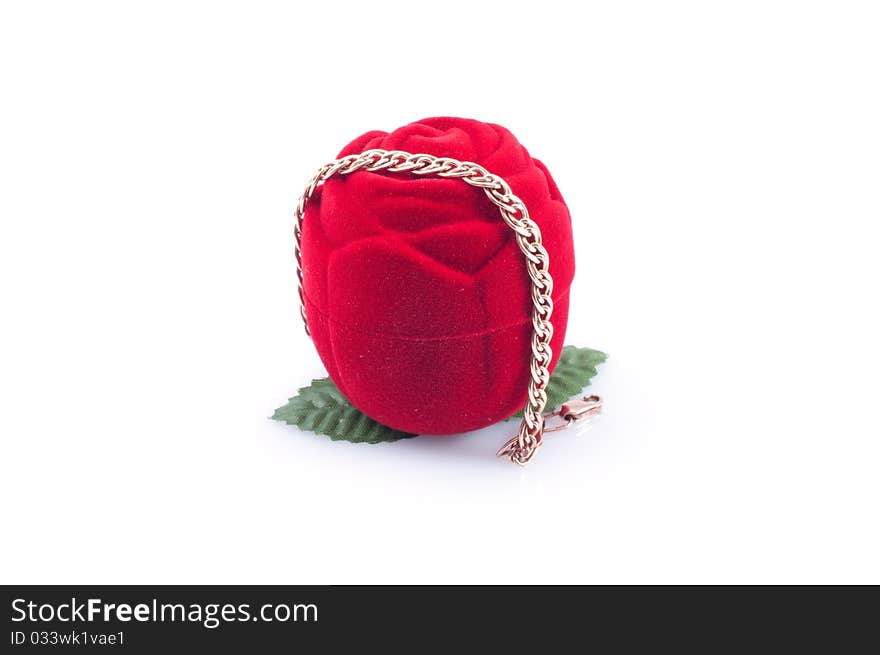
(417, 295)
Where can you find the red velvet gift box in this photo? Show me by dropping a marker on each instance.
(417, 295)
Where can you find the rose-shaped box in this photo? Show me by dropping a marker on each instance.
(416, 293)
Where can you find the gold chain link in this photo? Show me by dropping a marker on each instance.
(523, 446)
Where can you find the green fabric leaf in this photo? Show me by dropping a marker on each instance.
(574, 371)
(321, 407)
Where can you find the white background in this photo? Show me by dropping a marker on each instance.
(721, 162)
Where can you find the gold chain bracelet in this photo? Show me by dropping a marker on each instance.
(523, 446)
